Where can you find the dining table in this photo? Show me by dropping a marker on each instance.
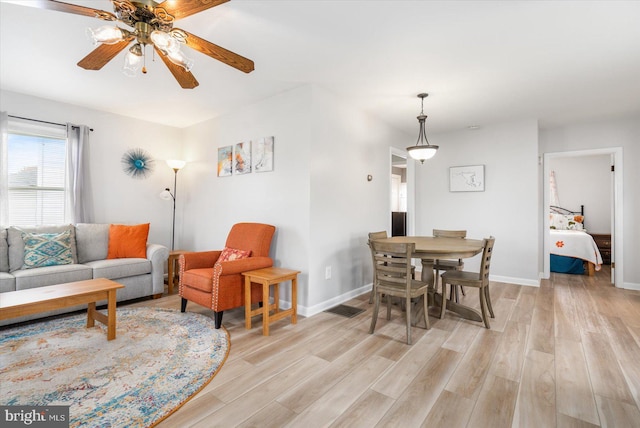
(430, 248)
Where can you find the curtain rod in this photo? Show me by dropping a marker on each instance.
(43, 121)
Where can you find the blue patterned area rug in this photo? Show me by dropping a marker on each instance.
(159, 360)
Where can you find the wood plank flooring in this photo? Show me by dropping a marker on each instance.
(566, 354)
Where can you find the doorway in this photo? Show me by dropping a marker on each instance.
(401, 201)
(398, 196)
(614, 203)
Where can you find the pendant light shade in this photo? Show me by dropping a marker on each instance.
(422, 150)
(106, 34)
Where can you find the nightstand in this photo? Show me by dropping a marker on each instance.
(603, 241)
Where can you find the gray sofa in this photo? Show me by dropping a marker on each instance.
(89, 246)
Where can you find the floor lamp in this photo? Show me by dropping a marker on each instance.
(166, 194)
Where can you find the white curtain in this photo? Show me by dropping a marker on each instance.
(77, 201)
(4, 172)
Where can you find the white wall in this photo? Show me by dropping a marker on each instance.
(610, 132)
(318, 196)
(347, 145)
(508, 208)
(118, 198)
(210, 205)
(586, 180)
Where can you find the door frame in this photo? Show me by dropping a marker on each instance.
(617, 205)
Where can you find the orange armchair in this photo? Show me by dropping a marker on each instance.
(220, 285)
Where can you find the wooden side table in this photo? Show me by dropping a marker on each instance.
(173, 268)
(268, 277)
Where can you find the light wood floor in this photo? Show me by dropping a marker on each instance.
(566, 354)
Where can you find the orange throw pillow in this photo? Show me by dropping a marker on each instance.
(128, 241)
(232, 254)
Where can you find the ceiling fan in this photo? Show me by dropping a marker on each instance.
(152, 24)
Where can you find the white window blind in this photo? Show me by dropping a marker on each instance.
(36, 156)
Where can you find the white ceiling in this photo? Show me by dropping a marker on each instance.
(482, 62)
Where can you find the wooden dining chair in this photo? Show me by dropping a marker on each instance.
(393, 277)
(375, 235)
(479, 280)
(381, 235)
(447, 265)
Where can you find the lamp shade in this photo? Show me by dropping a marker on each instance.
(106, 34)
(422, 153)
(179, 58)
(176, 164)
(166, 195)
(132, 63)
(163, 41)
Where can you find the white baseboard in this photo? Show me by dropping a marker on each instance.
(509, 279)
(308, 311)
(513, 280)
(630, 286)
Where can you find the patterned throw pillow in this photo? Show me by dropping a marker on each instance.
(47, 249)
(229, 254)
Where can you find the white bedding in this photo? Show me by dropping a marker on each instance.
(575, 243)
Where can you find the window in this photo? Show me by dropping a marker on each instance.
(36, 156)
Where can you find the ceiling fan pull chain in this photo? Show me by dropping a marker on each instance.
(144, 59)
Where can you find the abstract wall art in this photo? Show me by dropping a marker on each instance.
(137, 163)
(225, 161)
(242, 158)
(263, 155)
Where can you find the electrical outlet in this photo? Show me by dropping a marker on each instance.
(327, 272)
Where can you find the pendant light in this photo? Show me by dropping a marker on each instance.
(422, 150)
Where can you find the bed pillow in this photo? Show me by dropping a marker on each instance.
(575, 222)
(229, 254)
(566, 221)
(47, 249)
(128, 241)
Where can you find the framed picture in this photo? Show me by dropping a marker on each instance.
(242, 158)
(263, 155)
(225, 161)
(466, 178)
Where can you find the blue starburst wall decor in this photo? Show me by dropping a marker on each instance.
(137, 163)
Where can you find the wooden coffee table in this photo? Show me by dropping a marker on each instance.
(34, 300)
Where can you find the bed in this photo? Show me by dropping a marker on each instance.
(570, 246)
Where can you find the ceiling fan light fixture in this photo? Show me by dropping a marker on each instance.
(140, 18)
(106, 34)
(132, 60)
(164, 41)
(422, 150)
(179, 58)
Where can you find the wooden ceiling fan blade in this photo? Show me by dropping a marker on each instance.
(221, 54)
(102, 55)
(72, 8)
(183, 8)
(184, 77)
